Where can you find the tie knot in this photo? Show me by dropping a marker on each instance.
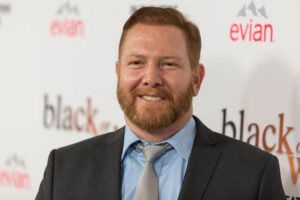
(153, 151)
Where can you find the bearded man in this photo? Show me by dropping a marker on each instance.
(163, 152)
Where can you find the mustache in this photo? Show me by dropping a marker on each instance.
(154, 91)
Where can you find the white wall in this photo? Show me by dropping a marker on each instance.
(65, 51)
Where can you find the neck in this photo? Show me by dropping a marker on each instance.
(163, 134)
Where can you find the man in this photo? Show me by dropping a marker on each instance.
(158, 75)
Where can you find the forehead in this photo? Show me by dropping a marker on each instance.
(166, 39)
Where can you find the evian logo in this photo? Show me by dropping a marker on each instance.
(67, 21)
(13, 173)
(253, 25)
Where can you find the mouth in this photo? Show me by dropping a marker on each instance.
(151, 98)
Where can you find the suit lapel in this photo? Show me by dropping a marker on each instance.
(200, 169)
(201, 165)
(108, 157)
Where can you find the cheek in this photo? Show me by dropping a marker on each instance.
(128, 83)
(130, 80)
(179, 89)
(178, 84)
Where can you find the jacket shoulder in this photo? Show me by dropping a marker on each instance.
(82, 149)
(237, 147)
(231, 147)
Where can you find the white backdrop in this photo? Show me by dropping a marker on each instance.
(58, 82)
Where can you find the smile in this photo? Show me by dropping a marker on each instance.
(150, 98)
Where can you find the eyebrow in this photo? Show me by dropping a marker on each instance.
(170, 57)
(162, 58)
(135, 55)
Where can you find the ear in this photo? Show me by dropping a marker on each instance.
(198, 76)
(118, 69)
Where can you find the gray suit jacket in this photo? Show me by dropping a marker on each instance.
(219, 168)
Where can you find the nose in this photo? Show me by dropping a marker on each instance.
(152, 76)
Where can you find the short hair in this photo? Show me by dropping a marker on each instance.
(167, 16)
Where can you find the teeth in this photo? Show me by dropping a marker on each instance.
(151, 98)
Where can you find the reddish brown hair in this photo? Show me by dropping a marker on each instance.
(167, 16)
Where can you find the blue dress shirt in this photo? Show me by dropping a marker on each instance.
(170, 167)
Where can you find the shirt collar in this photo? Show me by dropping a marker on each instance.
(129, 139)
(182, 141)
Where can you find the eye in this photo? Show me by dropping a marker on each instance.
(169, 64)
(135, 62)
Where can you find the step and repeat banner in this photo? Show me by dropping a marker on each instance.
(58, 81)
